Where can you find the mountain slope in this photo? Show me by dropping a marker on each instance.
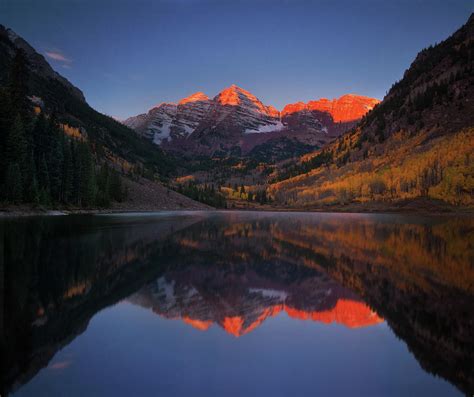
(170, 121)
(418, 142)
(57, 95)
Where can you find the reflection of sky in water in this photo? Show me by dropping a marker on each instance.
(128, 350)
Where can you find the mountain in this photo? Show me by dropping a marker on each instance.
(234, 113)
(236, 121)
(237, 110)
(418, 143)
(170, 121)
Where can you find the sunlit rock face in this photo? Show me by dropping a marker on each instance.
(236, 121)
(332, 117)
(235, 109)
(346, 108)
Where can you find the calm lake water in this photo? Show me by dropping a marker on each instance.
(237, 304)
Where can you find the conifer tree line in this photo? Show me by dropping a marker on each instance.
(206, 194)
(39, 164)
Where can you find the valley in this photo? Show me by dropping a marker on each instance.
(413, 151)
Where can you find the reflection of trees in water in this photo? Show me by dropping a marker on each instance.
(442, 251)
(60, 271)
(416, 273)
(435, 322)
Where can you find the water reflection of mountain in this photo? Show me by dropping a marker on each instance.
(416, 273)
(236, 270)
(239, 299)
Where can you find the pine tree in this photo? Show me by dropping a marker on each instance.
(14, 183)
(55, 166)
(30, 188)
(13, 110)
(67, 173)
(116, 190)
(15, 156)
(76, 175)
(15, 149)
(43, 180)
(103, 185)
(88, 183)
(18, 84)
(5, 124)
(39, 138)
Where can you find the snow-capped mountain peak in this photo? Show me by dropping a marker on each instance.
(236, 96)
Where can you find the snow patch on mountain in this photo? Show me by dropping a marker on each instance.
(266, 128)
(162, 133)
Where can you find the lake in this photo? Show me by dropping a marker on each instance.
(237, 304)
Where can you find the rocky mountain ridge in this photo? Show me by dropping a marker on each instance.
(336, 116)
(237, 118)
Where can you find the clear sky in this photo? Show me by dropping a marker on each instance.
(127, 56)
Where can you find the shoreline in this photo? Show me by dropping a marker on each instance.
(27, 212)
(418, 206)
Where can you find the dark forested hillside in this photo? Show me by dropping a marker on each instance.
(56, 95)
(56, 149)
(40, 164)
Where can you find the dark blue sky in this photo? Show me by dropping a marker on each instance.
(129, 55)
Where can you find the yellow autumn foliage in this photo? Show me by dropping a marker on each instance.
(442, 168)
